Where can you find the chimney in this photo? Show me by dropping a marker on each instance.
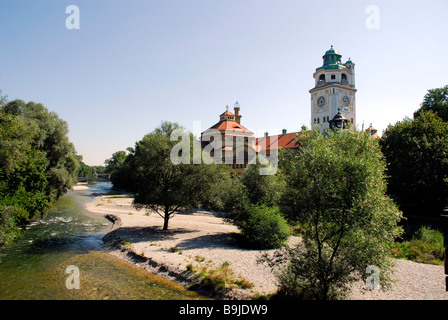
(284, 131)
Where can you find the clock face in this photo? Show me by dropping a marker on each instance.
(321, 102)
(345, 103)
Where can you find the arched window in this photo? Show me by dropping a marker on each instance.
(322, 77)
(343, 78)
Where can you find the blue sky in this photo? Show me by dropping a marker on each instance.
(135, 63)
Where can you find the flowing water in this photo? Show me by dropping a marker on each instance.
(37, 266)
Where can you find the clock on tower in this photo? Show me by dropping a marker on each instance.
(334, 90)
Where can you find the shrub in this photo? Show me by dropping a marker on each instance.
(425, 246)
(265, 227)
(8, 228)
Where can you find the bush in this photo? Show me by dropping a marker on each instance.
(265, 227)
(8, 227)
(425, 246)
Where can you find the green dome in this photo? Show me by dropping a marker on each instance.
(332, 51)
(332, 60)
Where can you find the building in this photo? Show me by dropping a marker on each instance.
(236, 144)
(334, 89)
(268, 144)
(333, 105)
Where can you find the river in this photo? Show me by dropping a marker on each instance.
(37, 266)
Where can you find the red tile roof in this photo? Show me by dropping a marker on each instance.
(227, 113)
(285, 141)
(229, 125)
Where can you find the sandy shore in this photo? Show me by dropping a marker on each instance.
(203, 240)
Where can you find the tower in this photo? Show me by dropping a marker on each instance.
(334, 88)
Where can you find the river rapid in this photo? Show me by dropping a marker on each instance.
(60, 257)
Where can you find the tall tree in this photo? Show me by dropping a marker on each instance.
(163, 186)
(37, 163)
(348, 222)
(435, 100)
(52, 139)
(417, 163)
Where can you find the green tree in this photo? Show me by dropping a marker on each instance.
(121, 170)
(23, 181)
(163, 186)
(348, 222)
(417, 163)
(85, 170)
(263, 189)
(52, 139)
(435, 100)
(37, 163)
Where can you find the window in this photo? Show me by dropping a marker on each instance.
(322, 77)
(344, 77)
(333, 77)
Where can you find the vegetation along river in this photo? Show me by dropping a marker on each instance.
(35, 267)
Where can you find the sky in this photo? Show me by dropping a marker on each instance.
(132, 64)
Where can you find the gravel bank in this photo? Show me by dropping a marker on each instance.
(201, 239)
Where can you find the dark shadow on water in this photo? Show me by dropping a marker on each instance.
(79, 244)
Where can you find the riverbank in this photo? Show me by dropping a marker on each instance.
(200, 241)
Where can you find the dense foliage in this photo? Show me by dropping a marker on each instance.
(435, 100)
(254, 208)
(84, 170)
(425, 245)
(162, 186)
(37, 164)
(338, 190)
(417, 163)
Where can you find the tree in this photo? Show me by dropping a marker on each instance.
(417, 163)
(165, 187)
(23, 181)
(37, 163)
(435, 100)
(348, 222)
(84, 170)
(52, 139)
(263, 189)
(121, 170)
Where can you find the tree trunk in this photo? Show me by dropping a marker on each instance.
(165, 219)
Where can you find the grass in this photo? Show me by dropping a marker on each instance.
(219, 279)
(426, 246)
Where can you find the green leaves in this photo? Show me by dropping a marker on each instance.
(37, 163)
(417, 163)
(339, 199)
(435, 100)
(163, 186)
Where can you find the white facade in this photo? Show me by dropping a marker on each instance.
(334, 90)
